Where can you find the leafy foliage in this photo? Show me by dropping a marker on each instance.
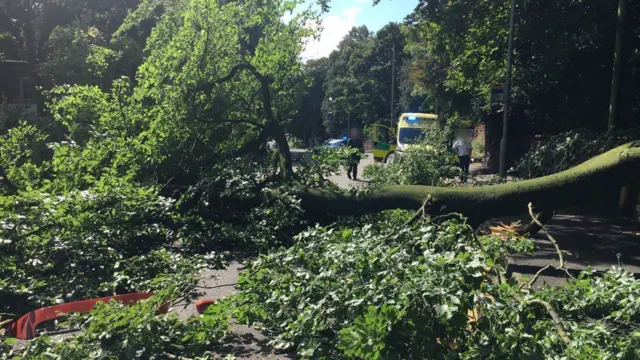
(358, 78)
(325, 162)
(458, 62)
(99, 213)
(137, 331)
(428, 162)
(424, 291)
(295, 142)
(159, 167)
(562, 151)
(478, 147)
(86, 243)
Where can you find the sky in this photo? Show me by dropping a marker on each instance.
(345, 14)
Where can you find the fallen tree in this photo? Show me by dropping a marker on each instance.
(602, 180)
(596, 181)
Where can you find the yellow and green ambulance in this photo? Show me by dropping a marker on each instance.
(387, 142)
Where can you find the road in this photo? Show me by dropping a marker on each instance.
(343, 181)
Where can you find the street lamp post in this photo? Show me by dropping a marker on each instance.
(393, 82)
(332, 118)
(507, 93)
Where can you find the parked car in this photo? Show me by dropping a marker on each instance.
(332, 143)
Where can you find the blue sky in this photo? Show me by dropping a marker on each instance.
(346, 14)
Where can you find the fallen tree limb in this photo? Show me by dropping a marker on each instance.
(595, 181)
(534, 225)
(551, 238)
(556, 318)
(555, 245)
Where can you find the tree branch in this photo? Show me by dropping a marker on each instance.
(421, 212)
(4, 180)
(556, 318)
(536, 276)
(272, 126)
(253, 145)
(232, 73)
(555, 244)
(532, 227)
(546, 232)
(238, 121)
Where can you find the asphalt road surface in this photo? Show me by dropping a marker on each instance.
(343, 181)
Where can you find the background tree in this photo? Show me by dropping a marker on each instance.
(28, 27)
(348, 83)
(307, 123)
(359, 78)
(561, 51)
(388, 38)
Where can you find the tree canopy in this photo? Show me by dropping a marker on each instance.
(563, 52)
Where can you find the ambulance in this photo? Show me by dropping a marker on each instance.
(389, 142)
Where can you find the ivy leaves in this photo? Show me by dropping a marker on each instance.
(330, 280)
(381, 290)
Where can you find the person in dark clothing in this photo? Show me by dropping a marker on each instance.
(355, 142)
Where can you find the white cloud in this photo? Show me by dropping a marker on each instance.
(334, 29)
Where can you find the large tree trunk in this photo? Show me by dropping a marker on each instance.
(617, 64)
(284, 153)
(31, 47)
(596, 181)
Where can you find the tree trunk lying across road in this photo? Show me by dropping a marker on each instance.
(596, 181)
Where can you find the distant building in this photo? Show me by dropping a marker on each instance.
(17, 87)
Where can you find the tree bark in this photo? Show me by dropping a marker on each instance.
(596, 181)
(31, 48)
(617, 64)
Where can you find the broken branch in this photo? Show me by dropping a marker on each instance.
(556, 318)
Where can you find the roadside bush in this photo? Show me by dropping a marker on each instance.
(565, 150)
(295, 143)
(478, 148)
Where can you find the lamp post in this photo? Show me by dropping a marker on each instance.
(507, 91)
(393, 82)
(331, 115)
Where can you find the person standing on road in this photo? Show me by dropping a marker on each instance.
(355, 142)
(462, 146)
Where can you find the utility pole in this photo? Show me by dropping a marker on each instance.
(436, 109)
(507, 94)
(617, 64)
(393, 82)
